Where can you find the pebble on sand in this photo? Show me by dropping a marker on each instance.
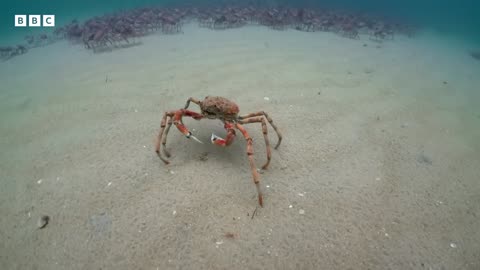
(453, 245)
(43, 221)
(301, 211)
(39, 181)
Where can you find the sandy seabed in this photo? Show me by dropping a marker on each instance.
(378, 168)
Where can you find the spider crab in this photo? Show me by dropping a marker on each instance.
(226, 111)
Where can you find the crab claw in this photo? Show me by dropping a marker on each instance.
(214, 138)
(218, 140)
(196, 139)
(190, 135)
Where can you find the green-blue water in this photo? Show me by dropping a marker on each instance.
(457, 18)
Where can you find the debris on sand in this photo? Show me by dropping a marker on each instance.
(43, 222)
(368, 70)
(424, 159)
(203, 156)
(254, 212)
(229, 235)
(218, 243)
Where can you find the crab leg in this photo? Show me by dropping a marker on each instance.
(164, 141)
(194, 100)
(160, 134)
(265, 136)
(228, 140)
(262, 113)
(177, 120)
(252, 162)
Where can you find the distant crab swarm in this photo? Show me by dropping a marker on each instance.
(123, 29)
(475, 54)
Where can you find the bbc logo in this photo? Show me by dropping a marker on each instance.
(35, 20)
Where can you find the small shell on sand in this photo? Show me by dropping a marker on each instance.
(43, 221)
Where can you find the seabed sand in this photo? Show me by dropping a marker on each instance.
(379, 154)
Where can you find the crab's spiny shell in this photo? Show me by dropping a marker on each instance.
(219, 106)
